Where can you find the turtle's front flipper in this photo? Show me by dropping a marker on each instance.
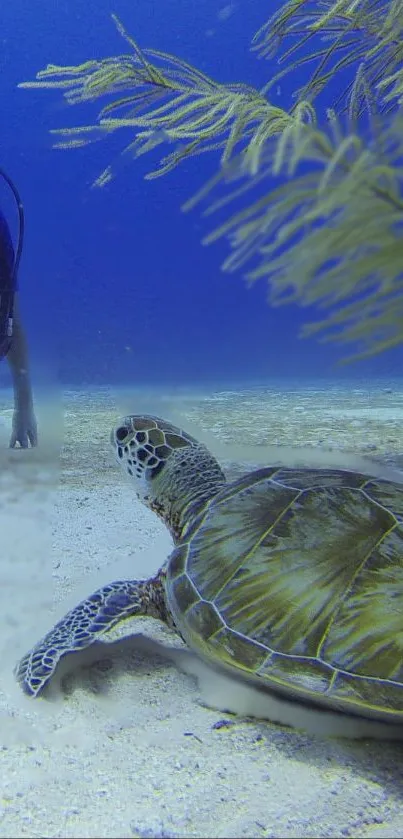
(85, 623)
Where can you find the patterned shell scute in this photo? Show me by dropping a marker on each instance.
(295, 576)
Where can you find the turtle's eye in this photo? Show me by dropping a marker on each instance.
(121, 434)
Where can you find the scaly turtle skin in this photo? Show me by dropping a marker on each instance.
(290, 578)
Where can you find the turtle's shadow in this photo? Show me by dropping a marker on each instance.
(97, 669)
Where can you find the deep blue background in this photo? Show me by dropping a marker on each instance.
(115, 283)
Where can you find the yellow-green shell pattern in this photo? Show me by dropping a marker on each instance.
(294, 578)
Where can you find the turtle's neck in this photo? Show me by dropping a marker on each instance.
(191, 477)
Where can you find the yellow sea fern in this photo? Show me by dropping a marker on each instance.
(329, 236)
(365, 34)
(167, 101)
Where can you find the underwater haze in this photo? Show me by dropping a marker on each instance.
(116, 285)
(128, 312)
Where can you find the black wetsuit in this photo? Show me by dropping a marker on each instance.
(7, 286)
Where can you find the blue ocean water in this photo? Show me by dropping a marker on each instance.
(116, 286)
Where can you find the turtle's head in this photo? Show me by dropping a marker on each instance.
(174, 474)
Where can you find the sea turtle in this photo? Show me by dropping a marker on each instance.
(288, 578)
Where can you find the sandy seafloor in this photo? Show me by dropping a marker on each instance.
(123, 746)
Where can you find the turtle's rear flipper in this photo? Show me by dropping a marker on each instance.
(83, 625)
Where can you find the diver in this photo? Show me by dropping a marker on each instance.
(13, 343)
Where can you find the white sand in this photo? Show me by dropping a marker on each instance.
(125, 748)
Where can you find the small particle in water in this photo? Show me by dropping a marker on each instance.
(222, 724)
(226, 11)
(191, 734)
